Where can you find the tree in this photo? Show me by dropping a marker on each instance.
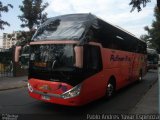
(137, 4)
(24, 37)
(4, 8)
(154, 32)
(148, 41)
(32, 13)
(32, 17)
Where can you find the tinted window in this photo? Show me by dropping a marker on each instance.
(114, 38)
(92, 57)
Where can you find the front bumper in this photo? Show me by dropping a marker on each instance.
(56, 98)
(52, 92)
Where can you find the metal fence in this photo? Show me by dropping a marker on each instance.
(6, 63)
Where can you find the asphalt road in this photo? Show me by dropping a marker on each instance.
(18, 102)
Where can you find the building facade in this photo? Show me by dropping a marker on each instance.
(10, 39)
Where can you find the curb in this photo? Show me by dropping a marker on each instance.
(14, 87)
(150, 87)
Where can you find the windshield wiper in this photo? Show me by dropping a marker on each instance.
(53, 64)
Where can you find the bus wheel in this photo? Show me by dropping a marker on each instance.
(110, 89)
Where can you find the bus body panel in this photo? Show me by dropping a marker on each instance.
(54, 88)
(68, 102)
(93, 88)
(124, 66)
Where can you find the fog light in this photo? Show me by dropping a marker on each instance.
(30, 88)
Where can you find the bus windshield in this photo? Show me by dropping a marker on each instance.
(59, 30)
(52, 57)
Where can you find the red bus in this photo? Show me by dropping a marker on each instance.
(78, 58)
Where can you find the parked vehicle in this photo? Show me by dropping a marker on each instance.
(152, 59)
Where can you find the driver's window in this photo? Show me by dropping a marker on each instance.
(92, 57)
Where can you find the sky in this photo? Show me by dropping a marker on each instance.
(116, 12)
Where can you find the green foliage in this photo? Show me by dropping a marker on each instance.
(32, 13)
(154, 32)
(137, 4)
(24, 37)
(4, 8)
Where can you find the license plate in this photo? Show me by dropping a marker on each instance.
(45, 97)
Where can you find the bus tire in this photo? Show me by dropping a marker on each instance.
(110, 89)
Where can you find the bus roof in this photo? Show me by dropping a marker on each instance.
(91, 21)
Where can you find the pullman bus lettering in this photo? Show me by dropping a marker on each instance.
(119, 58)
(71, 57)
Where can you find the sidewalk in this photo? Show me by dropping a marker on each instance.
(7, 83)
(149, 102)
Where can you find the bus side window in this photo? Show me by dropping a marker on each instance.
(92, 57)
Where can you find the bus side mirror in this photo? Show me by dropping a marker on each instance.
(78, 56)
(17, 53)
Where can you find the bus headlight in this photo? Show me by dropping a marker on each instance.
(75, 91)
(30, 88)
